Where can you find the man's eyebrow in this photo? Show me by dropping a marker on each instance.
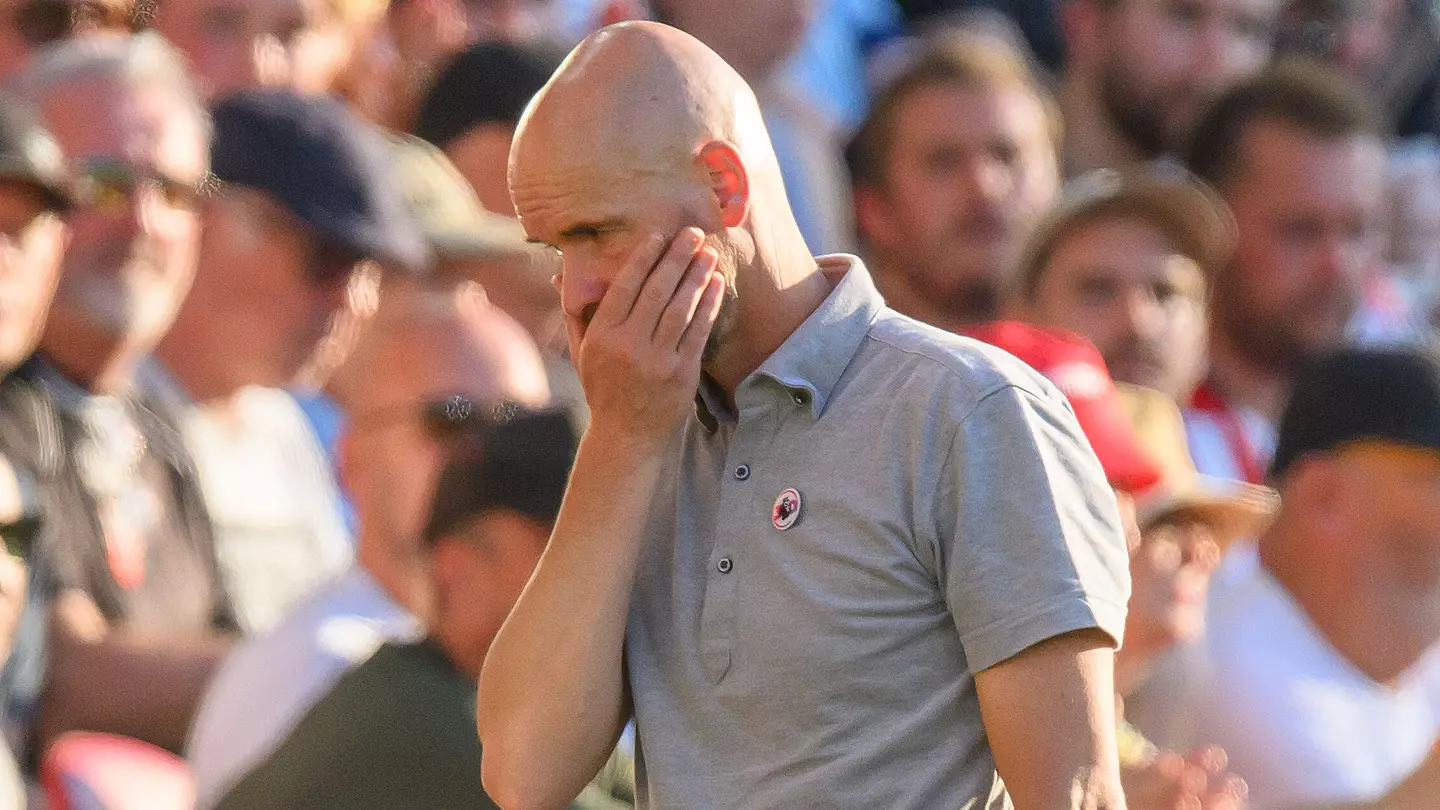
(580, 229)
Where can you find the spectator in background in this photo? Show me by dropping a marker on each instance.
(29, 25)
(756, 37)
(1299, 159)
(302, 192)
(235, 44)
(1038, 21)
(472, 109)
(1318, 673)
(428, 363)
(139, 616)
(1153, 503)
(397, 731)
(1124, 260)
(955, 163)
(1392, 47)
(470, 244)
(34, 199)
(428, 34)
(1139, 74)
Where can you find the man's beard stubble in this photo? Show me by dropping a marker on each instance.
(1271, 342)
(1140, 121)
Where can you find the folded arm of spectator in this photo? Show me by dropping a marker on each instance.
(122, 682)
(1061, 751)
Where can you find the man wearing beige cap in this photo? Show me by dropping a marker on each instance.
(1123, 260)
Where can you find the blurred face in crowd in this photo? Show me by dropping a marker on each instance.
(1359, 36)
(754, 36)
(1308, 211)
(1169, 581)
(969, 169)
(32, 242)
(234, 44)
(482, 155)
(1158, 64)
(1123, 283)
(270, 280)
(409, 380)
(512, 20)
(480, 570)
(1374, 509)
(139, 156)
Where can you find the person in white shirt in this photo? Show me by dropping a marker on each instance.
(428, 365)
(1298, 156)
(1317, 673)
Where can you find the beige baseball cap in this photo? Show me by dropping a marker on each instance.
(1233, 509)
(447, 210)
(1177, 202)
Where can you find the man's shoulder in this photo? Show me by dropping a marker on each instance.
(937, 359)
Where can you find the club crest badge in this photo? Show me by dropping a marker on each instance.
(787, 509)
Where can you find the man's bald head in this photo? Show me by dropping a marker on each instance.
(644, 131)
(640, 99)
(425, 345)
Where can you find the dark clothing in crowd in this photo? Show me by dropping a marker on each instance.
(396, 732)
(167, 578)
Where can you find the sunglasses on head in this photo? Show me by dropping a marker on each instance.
(445, 418)
(111, 185)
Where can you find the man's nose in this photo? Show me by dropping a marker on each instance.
(580, 288)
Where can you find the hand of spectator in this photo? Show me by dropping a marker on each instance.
(639, 357)
(427, 35)
(1171, 782)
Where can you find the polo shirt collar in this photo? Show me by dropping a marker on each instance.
(809, 364)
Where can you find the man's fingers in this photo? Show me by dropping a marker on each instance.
(693, 343)
(664, 280)
(681, 309)
(619, 299)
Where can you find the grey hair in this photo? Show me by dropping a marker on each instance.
(139, 61)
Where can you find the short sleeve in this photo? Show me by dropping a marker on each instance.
(1031, 545)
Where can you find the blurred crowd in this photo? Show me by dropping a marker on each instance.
(287, 411)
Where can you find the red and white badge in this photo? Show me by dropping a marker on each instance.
(786, 511)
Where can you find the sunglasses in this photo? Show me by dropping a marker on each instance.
(443, 419)
(111, 186)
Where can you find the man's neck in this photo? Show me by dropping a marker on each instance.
(1241, 381)
(90, 361)
(186, 354)
(1091, 139)
(953, 314)
(400, 576)
(767, 317)
(1361, 628)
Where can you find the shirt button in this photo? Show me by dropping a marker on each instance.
(724, 565)
(742, 472)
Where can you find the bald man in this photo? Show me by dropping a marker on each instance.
(427, 365)
(871, 564)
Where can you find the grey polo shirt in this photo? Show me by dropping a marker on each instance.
(946, 514)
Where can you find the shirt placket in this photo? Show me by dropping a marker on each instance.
(738, 514)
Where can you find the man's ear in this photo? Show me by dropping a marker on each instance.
(872, 216)
(728, 181)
